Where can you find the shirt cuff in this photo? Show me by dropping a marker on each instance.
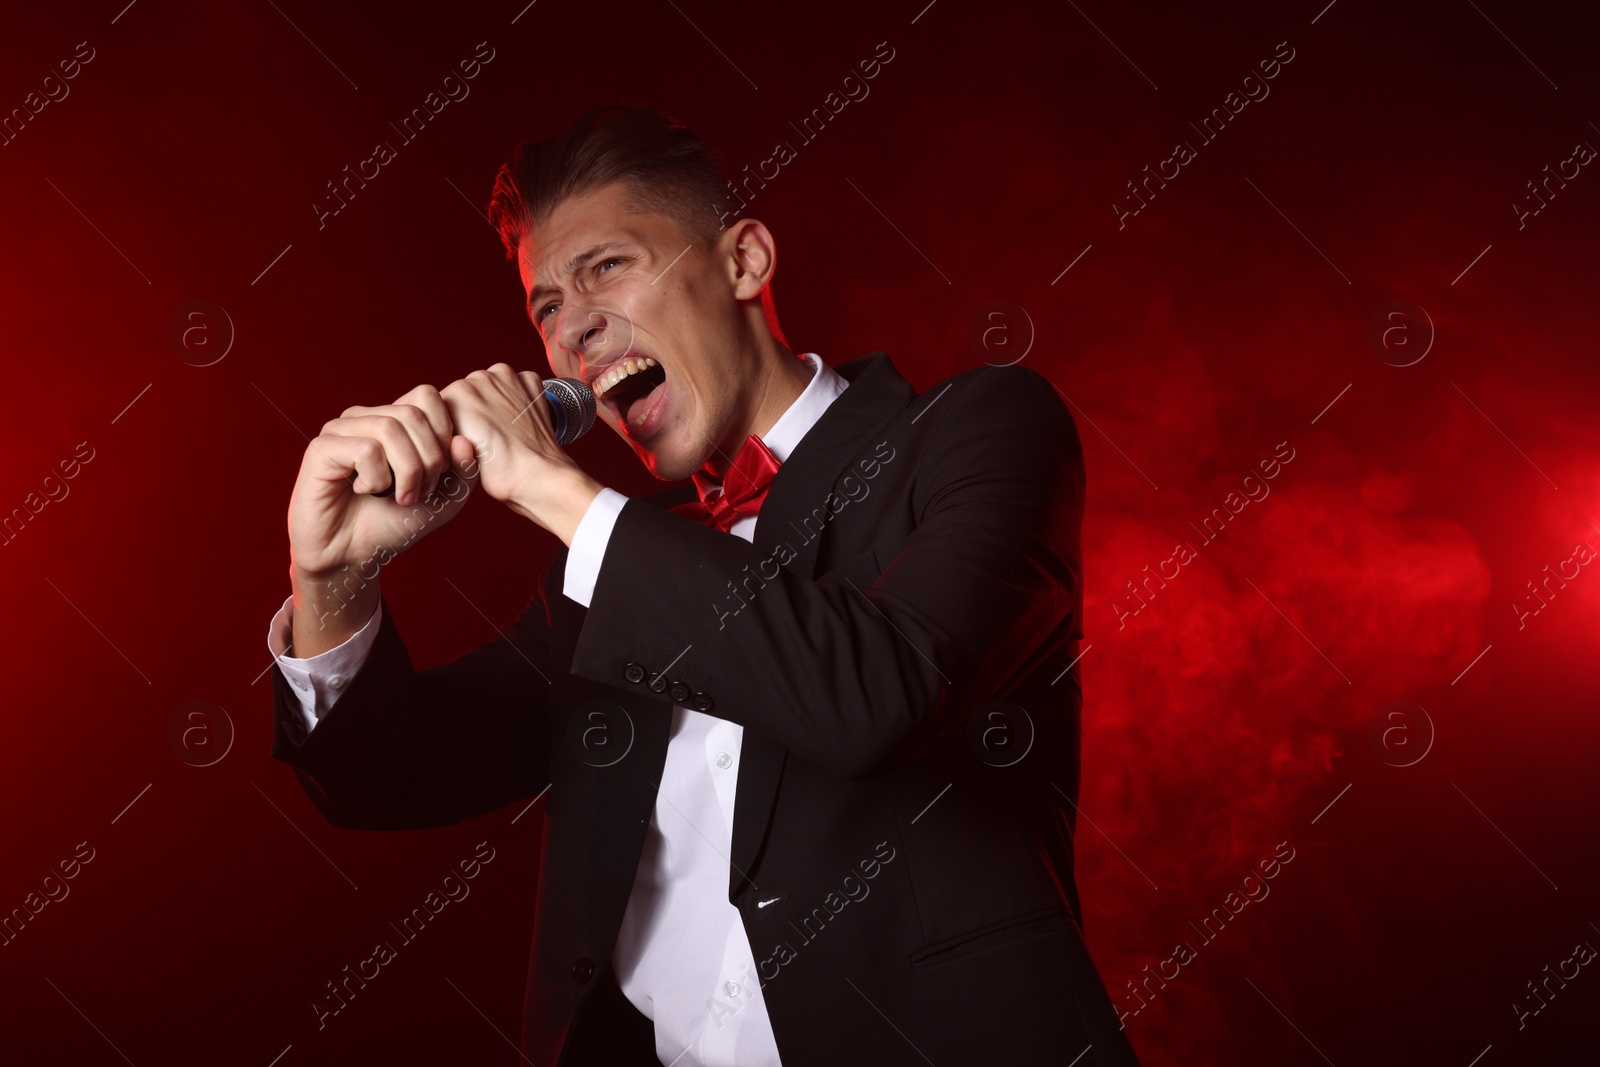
(317, 681)
(588, 545)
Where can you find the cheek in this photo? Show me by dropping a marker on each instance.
(560, 366)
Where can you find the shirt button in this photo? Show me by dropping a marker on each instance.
(337, 681)
(731, 988)
(724, 761)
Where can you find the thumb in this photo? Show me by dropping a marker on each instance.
(464, 459)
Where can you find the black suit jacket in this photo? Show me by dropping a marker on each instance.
(903, 866)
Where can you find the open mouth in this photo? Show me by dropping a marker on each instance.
(632, 397)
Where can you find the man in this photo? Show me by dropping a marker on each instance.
(807, 777)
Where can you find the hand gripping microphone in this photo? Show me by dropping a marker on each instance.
(572, 411)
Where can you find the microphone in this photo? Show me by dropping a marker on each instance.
(572, 410)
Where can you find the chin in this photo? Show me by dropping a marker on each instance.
(669, 463)
(669, 469)
(665, 458)
(662, 465)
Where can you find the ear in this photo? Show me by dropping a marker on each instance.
(752, 257)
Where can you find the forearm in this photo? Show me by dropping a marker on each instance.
(329, 608)
(557, 503)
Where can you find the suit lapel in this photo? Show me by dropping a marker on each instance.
(876, 394)
(824, 455)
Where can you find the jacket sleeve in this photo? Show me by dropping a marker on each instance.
(859, 679)
(404, 748)
(316, 680)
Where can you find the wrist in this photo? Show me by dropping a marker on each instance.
(561, 502)
(328, 609)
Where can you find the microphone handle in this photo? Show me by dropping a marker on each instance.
(572, 407)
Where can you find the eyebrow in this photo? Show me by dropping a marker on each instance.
(574, 264)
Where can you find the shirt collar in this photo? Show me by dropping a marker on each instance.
(824, 388)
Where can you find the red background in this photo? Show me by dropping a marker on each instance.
(1225, 718)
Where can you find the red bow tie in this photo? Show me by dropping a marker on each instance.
(744, 487)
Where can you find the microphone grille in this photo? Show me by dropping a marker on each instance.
(572, 408)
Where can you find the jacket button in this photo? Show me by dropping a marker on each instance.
(658, 684)
(583, 970)
(634, 672)
(702, 702)
(680, 692)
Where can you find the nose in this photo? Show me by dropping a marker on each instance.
(579, 329)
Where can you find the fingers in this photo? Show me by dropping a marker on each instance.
(338, 457)
(495, 398)
(464, 456)
(405, 448)
(426, 399)
(407, 444)
(507, 378)
(532, 383)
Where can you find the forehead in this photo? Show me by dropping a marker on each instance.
(581, 227)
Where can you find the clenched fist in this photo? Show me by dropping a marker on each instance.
(503, 427)
(501, 423)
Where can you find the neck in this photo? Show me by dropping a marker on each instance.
(780, 379)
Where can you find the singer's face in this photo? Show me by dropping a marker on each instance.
(604, 283)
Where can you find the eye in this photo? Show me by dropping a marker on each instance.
(540, 317)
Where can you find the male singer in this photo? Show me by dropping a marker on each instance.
(807, 772)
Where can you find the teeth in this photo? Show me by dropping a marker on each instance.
(627, 366)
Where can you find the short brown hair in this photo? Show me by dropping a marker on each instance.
(666, 168)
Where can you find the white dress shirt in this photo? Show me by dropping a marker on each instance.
(682, 957)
